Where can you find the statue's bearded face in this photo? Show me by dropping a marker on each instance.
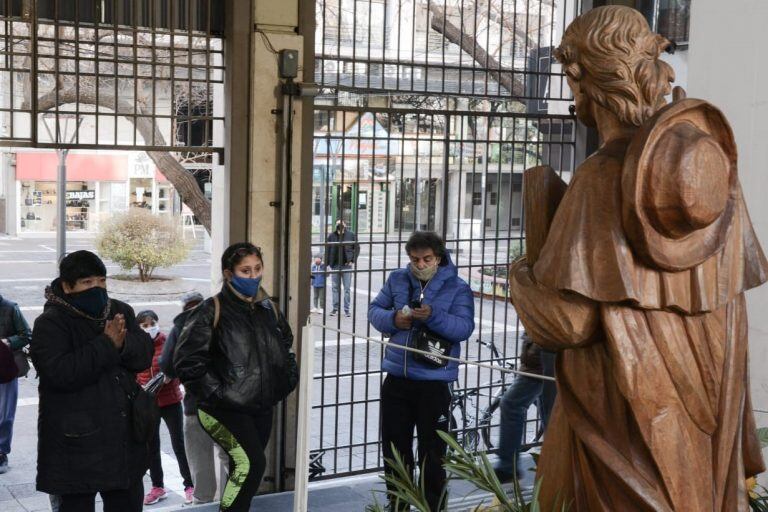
(584, 105)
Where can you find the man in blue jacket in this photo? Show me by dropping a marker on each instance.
(427, 294)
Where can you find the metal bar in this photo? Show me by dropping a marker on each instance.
(459, 360)
(304, 413)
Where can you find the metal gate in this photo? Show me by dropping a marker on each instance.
(430, 112)
(111, 74)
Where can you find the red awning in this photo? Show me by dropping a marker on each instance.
(80, 167)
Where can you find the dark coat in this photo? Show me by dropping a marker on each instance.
(166, 360)
(341, 250)
(84, 433)
(530, 356)
(244, 363)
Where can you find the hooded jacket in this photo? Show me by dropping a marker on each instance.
(453, 318)
(85, 442)
(244, 363)
(170, 393)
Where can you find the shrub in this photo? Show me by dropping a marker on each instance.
(142, 240)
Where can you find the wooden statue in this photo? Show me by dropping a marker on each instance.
(640, 288)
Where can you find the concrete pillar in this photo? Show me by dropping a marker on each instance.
(278, 25)
(726, 67)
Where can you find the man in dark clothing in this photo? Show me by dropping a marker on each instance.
(341, 253)
(523, 392)
(15, 334)
(87, 349)
(198, 444)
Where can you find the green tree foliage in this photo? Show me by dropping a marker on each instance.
(142, 240)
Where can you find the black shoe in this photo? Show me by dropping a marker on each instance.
(334, 313)
(3, 463)
(504, 476)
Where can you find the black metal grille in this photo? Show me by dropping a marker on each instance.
(138, 74)
(419, 129)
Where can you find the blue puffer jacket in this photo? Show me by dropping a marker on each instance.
(453, 318)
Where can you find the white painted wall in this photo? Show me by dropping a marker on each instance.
(727, 66)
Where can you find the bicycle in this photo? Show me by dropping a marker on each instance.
(474, 429)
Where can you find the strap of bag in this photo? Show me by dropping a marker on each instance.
(216, 310)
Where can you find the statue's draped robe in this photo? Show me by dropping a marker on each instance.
(653, 410)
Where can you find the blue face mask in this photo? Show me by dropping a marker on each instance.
(245, 285)
(92, 301)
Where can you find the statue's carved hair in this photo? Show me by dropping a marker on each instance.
(614, 56)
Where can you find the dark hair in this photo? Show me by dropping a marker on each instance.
(80, 264)
(235, 253)
(147, 313)
(426, 240)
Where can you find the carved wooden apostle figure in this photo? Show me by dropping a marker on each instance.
(640, 287)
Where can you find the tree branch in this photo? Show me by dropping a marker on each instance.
(441, 24)
(184, 183)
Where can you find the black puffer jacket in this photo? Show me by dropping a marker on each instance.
(84, 436)
(530, 356)
(245, 363)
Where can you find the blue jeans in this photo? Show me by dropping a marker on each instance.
(514, 407)
(339, 275)
(9, 393)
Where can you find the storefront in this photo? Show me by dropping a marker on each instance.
(99, 185)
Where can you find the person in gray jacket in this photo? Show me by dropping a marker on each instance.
(198, 444)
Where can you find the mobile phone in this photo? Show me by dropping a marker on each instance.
(415, 304)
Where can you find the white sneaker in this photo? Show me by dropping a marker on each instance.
(320, 310)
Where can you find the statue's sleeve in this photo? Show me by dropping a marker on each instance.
(553, 319)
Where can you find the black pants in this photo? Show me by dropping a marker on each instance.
(406, 404)
(243, 437)
(173, 416)
(126, 500)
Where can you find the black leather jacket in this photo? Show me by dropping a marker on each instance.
(242, 364)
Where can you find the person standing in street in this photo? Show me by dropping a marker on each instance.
(199, 445)
(234, 356)
(318, 285)
(169, 402)
(15, 334)
(427, 296)
(87, 349)
(516, 400)
(341, 252)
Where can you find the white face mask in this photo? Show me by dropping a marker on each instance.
(425, 274)
(152, 331)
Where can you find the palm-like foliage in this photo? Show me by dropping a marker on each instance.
(458, 463)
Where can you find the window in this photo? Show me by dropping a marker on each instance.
(477, 199)
(670, 18)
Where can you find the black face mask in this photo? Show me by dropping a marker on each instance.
(92, 301)
(339, 229)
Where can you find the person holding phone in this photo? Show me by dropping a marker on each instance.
(426, 295)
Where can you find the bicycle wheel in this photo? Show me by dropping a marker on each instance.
(464, 432)
(486, 421)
